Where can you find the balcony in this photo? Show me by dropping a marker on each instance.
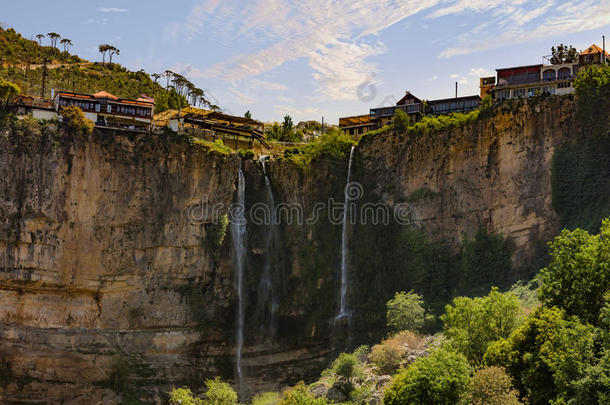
(390, 111)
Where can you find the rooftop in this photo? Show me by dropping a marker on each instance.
(593, 50)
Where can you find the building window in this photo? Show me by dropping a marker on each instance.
(109, 109)
(548, 75)
(564, 74)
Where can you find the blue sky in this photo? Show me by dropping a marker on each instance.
(313, 58)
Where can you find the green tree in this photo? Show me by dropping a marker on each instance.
(546, 355)
(441, 378)
(405, 312)
(75, 121)
(219, 393)
(112, 51)
(472, 324)
(8, 91)
(563, 54)
(103, 48)
(53, 36)
(493, 386)
(401, 120)
(248, 115)
(40, 37)
(579, 274)
(66, 43)
(287, 124)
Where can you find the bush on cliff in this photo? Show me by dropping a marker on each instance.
(75, 121)
(334, 144)
(593, 97)
(300, 395)
(405, 312)
(493, 386)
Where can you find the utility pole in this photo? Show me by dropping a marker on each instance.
(44, 76)
(604, 49)
(456, 89)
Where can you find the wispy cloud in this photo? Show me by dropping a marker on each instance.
(112, 10)
(337, 38)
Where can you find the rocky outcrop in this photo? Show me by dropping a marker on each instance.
(115, 278)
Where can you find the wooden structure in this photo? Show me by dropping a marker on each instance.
(212, 124)
(358, 125)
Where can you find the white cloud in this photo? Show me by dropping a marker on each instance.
(241, 97)
(335, 38)
(433, 78)
(111, 10)
(288, 109)
(481, 72)
(329, 35)
(267, 85)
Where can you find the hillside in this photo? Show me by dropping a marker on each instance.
(21, 62)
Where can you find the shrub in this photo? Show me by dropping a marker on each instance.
(346, 366)
(334, 144)
(492, 386)
(362, 353)
(405, 312)
(388, 355)
(579, 273)
(441, 378)
(246, 154)
(300, 395)
(184, 396)
(75, 121)
(593, 97)
(219, 393)
(472, 324)
(8, 91)
(266, 398)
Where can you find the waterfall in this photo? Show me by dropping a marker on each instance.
(238, 236)
(343, 313)
(267, 302)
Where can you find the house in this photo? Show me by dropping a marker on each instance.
(410, 104)
(109, 111)
(211, 124)
(529, 81)
(593, 55)
(486, 84)
(39, 108)
(358, 125)
(452, 105)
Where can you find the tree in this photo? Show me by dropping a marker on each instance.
(66, 43)
(53, 36)
(579, 274)
(112, 51)
(248, 115)
(287, 124)
(75, 121)
(40, 37)
(492, 386)
(156, 77)
(405, 312)
(168, 74)
(8, 91)
(545, 355)
(103, 48)
(401, 120)
(472, 324)
(563, 54)
(219, 393)
(441, 378)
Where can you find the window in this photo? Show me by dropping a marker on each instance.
(109, 109)
(548, 75)
(97, 108)
(564, 74)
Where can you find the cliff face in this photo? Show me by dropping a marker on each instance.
(109, 279)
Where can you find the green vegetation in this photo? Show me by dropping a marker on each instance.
(18, 51)
(388, 355)
(581, 182)
(346, 367)
(334, 144)
(593, 98)
(493, 386)
(75, 121)
(405, 312)
(400, 121)
(266, 398)
(472, 324)
(218, 392)
(563, 54)
(300, 395)
(8, 91)
(441, 378)
(579, 274)
(284, 132)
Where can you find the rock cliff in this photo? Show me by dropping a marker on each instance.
(110, 282)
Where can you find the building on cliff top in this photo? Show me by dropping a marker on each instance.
(211, 125)
(109, 111)
(39, 108)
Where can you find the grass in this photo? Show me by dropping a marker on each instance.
(333, 145)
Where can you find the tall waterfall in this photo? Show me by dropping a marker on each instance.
(267, 301)
(343, 312)
(238, 236)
